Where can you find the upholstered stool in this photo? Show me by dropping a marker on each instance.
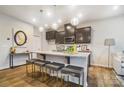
(41, 64)
(54, 67)
(74, 71)
(30, 62)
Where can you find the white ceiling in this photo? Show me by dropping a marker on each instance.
(89, 12)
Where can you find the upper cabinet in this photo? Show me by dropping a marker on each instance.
(60, 37)
(50, 35)
(69, 30)
(71, 35)
(83, 35)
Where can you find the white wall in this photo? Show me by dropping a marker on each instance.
(6, 25)
(101, 29)
(37, 40)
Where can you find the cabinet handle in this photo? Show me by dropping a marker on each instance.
(122, 61)
(122, 66)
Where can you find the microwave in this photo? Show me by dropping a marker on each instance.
(69, 40)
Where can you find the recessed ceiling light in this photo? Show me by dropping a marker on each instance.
(34, 20)
(46, 25)
(48, 13)
(41, 29)
(116, 7)
(59, 21)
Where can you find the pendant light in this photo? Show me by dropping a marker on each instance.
(75, 21)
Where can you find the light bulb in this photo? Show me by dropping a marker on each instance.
(59, 21)
(68, 27)
(48, 13)
(115, 7)
(34, 20)
(79, 15)
(74, 21)
(55, 26)
(41, 29)
(46, 25)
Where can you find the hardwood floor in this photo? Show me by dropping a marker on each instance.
(102, 77)
(97, 77)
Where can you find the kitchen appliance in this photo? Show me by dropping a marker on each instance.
(69, 40)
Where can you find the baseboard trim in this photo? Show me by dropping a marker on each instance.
(118, 77)
(12, 68)
(101, 66)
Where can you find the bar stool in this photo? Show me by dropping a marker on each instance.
(55, 67)
(41, 64)
(74, 71)
(30, 62)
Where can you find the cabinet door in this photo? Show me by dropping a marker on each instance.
(69, 30)
(79, 37)
(60, 37)
(50, 35)
(83, 35)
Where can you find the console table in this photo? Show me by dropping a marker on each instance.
(12, 55)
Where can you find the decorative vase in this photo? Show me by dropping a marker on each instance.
(12, 50)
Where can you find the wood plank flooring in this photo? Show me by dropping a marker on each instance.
(97, 77)
(102, 77)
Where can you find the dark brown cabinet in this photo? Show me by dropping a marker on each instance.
(60, 37)
(69, 30)
(71, 35)
(83, 35)
(50, 35)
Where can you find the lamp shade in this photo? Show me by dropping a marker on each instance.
(109, 42)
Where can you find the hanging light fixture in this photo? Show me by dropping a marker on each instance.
(75, 21)
(79, 15)
(59, 21)
(41, 29)
(55, 26)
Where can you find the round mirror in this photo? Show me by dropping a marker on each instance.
(20, 38)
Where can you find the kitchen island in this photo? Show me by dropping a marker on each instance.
(80, 59)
